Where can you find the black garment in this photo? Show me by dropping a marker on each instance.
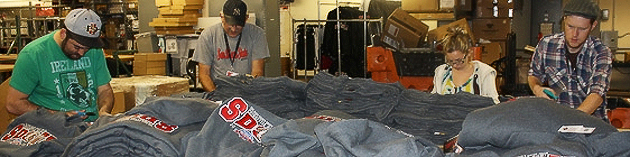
(351, 36)
(306, 60)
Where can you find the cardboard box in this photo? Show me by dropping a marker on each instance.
(438, 33)
(168, 11)
(174, 30)
(176, 22)
(419, 5)
(403, 29)
(492, 29)
(149, 64)
(187, 2)
(185, 7)
(493, 51)
(196, 15)
(144, 57)
(137, 88)
(119, 103)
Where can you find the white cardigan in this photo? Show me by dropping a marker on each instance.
(486, 81)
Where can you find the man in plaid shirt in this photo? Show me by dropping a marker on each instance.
(573, 67)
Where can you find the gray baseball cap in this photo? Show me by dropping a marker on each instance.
(84, 26)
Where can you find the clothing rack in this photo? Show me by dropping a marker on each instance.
(319, 21)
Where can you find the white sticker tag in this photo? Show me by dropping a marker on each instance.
(580, 129)
(231, 73)
(171, 46)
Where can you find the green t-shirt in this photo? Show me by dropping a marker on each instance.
(55, 82)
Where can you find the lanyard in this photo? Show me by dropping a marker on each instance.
(227, 44)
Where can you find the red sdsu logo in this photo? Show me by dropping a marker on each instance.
(224, 54)
(26, 135)
(151, 121)
(245, 121)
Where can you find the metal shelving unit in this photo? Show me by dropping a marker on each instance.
(117, 17)
(20, 25)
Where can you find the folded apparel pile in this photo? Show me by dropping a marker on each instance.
(530, 127)
(282, 96)
(40, 133)
(155, 128)
(233, 129)
(434, 116)
(359, 97)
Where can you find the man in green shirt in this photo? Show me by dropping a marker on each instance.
(64, 71)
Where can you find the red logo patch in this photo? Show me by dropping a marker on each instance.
(26, 135)
(151, 121)
(91, 28)
(245, 121)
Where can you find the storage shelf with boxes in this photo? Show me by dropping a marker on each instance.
(176, 16)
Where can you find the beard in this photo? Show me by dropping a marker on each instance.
(68, 53)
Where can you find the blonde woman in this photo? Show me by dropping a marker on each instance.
(460, 73)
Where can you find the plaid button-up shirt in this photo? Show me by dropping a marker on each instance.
(591, 75)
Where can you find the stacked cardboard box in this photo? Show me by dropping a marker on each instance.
(176, 16)
(149, 64)
(403, 30)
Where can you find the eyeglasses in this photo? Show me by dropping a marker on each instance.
(456, 61)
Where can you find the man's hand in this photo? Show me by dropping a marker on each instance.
(551, 95)
(75, 114)
(536, 86)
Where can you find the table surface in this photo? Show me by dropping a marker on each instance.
(6, 67)
(122, 57)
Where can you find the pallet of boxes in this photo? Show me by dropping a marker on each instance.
(176, 16)
(148, 81)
